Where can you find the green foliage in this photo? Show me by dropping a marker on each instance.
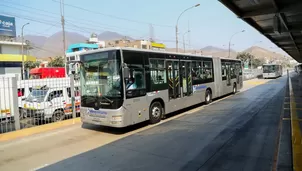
(247, 57)
(244, 56)
(31, 64)
(257, 62)
(57, 62)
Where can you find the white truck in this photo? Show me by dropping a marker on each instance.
(51, 102)
(26, 97)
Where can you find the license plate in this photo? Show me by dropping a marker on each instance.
(96, 120)
(97, 116)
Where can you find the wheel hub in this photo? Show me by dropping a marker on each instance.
(208, 97)
(156, 112)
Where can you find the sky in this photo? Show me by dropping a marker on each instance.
(210, 24)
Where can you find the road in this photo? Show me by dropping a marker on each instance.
(238, 132)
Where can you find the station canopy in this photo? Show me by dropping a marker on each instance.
(278, 20)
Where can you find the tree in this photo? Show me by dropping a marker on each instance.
(257, 62)
(31, 64)
(245, 57)
(57, 62)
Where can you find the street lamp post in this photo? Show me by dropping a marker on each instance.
(176, 27)
(183, 39)
(22, 50)
(231, 40)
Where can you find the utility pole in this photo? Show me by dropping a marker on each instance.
(22, 49)
(183, 39)
(63, 27)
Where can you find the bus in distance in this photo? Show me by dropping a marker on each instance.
(125, 86)
(272, 71)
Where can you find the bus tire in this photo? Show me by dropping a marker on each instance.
(58, 115)
(235, 88)
(155, 112)
(208, 96)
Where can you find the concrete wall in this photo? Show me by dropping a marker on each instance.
(13, 70)
(11, 49)
(2, 70)
(10, 70)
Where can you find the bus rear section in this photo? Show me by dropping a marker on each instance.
(272, 71)
(122, 86)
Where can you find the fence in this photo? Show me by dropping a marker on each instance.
(29, 103)
(251, 73)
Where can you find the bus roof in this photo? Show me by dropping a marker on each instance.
(151, 51)
(68, 54)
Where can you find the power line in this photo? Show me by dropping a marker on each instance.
(57, 24)
(42, 22)
(36, 47)
(112, 16)
(38, 33)
(89, 22)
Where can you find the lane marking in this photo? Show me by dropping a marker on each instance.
(288, 119)
(295, 108)
(296, 132)
(278, 140)
(37, 129)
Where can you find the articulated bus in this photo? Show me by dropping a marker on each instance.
(272, 71)
(145, 85)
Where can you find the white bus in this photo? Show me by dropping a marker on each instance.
(272, 71)
(298, 68)
(125, 86)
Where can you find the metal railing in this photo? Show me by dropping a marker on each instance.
(251, 73)
(29, 103)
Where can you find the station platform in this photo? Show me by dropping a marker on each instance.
(247, 131)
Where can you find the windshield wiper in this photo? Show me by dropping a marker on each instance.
(110, 101)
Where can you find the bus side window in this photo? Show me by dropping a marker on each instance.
(158, 74)
(207, 70)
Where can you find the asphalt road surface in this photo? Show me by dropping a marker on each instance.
(236, 133)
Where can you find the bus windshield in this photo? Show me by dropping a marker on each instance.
(269, 68)
(100, 76)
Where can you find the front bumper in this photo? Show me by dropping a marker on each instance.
(111, 118)
(33, 113)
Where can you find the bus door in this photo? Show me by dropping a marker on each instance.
(186, 78)
(173, 79)
(228, 73)
(237, 71)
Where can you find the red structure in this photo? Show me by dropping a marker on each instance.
(40, 73)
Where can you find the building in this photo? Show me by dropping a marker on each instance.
(11, 57)
(140, 44)
(10, 49)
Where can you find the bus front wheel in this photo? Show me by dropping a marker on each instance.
(235, 88)
(155, 112)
